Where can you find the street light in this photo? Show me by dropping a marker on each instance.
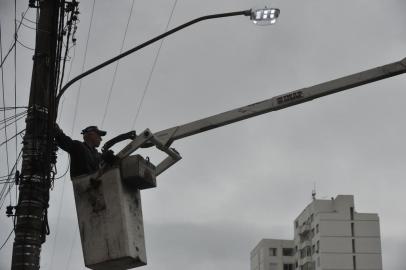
(265, 16)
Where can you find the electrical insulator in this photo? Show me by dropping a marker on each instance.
(9, 211)
(31, 4)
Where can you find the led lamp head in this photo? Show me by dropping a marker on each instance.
(265, 16)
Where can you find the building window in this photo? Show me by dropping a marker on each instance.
(352, 213)
(296, 223)
(273, 251)
(352, 229)
(302, 253)
(353, 245)
(273, 266)
(308, 251)
(288, 266)
(317, 228)
(311, 217)
(288, 252)
(317, 246)
(354, 263)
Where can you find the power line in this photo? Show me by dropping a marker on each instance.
(117, 63)
(6, 178)
(12, 108)
(25, 46)
(9, 179)
(4, 100)
(153, 68)
(9, 124)
(30, 27)
(59, 43)
(2, 192)
(67, 79)
(83, 65)
(8, 237)
(31, 21)
(2, 182)
(11, 120)
(15, 77)
(15, 135)
(14, 43)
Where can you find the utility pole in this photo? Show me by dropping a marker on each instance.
(31, 224)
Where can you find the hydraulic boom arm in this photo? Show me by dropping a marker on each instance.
(163, 139)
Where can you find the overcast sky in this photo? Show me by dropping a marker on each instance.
(250, 180)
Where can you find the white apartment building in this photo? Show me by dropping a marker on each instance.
(328, 235)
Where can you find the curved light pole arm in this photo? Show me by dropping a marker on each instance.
(112, 60)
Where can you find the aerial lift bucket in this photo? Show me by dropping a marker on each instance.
(109, 214)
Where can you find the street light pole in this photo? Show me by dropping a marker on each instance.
(260, 17)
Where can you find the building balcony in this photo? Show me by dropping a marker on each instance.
(304, 229)
(306, 243)
(305, 260)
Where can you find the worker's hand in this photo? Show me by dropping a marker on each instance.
(109, 157)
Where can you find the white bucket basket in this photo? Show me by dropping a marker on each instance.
(110, 221)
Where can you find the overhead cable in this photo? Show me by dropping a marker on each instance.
(4, 101)
(15, 135)
(83, 64)
(117, 63)
(14, 43)
(15, 77)
(8, 237)
(3, 192)
(153, 68)
(12, 108)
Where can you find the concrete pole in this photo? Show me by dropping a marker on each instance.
(31, 224)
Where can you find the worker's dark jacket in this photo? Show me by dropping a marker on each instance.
(83, 158)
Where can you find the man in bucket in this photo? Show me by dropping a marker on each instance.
(84, 157)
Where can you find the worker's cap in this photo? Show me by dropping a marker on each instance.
(95, 129)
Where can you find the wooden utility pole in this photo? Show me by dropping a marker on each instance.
(31, 224)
